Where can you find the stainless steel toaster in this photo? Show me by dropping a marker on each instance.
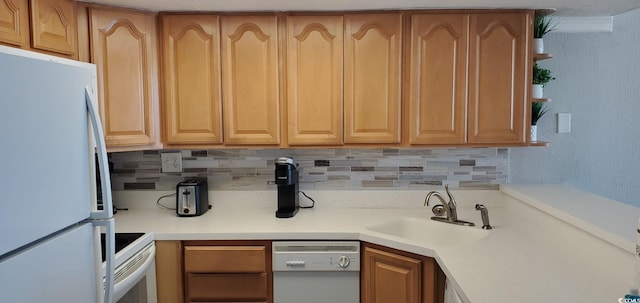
(192, 198)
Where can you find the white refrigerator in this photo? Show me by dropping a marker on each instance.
(49, 223)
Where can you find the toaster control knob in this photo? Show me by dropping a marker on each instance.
(343, 261)
(186, 210)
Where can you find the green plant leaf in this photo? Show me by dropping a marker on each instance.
(541, 75)
(541, 26)
(537, 111)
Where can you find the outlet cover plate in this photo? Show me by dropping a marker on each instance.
(564, 123)
(171, 162)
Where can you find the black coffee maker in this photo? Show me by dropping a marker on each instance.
(287, 181)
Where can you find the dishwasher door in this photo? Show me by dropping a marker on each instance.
(316, 287)
(316, 272)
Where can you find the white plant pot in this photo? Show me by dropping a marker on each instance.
(534, 133)
(538, 45)
(537, 91)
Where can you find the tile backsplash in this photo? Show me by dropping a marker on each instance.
(253, 169)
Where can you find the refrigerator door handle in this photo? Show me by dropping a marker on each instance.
(103, 162)
(110, 259)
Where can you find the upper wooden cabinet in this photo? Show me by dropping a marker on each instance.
(499, 69)
(372, 77)
(475, 93)
(124, 49)
(52, 30)
(314, 79)
(14, 22)
(438, 79)
(53, 26)
(191, 64)
(250, 79)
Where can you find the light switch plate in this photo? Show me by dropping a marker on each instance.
(564, 123)
(171, 162)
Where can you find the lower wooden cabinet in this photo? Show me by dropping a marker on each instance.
(214, 271)
(390, 275)
(169, 271)
(241, 271)
(227, 271)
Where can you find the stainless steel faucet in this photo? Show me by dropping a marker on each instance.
(450, 207)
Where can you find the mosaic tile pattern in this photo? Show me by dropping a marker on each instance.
(253, 169)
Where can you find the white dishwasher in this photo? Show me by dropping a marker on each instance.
(316, 271)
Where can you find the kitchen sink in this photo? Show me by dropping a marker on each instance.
(429, 232)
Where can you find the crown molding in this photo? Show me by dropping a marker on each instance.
(583, 24)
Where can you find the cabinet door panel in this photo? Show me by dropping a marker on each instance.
(499, 77)
(53, 26)
(225, 259)
(193, 107)
(314, 80)
(250, 79)
(389, 277)
(438, 79)
(123, 49)
(372, 78)
(14, 22)
(227, 287)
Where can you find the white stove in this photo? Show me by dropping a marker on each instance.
(135, 278)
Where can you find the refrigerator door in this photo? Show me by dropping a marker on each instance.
(50, 248)
(45, 154)
(54, 270)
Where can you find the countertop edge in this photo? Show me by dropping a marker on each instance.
(605, 235)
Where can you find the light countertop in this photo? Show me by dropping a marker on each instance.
(537, 251)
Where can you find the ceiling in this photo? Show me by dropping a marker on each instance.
(562, 7)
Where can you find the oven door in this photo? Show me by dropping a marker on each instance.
(135, 279)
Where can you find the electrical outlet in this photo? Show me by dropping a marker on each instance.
(171, 162)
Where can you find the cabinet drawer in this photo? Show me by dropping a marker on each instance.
(226, 287)
(225, 259)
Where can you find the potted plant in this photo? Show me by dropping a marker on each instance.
(537, 111)
(541, 76)
(541, 26)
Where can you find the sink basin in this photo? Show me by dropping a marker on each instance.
(425, 231)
